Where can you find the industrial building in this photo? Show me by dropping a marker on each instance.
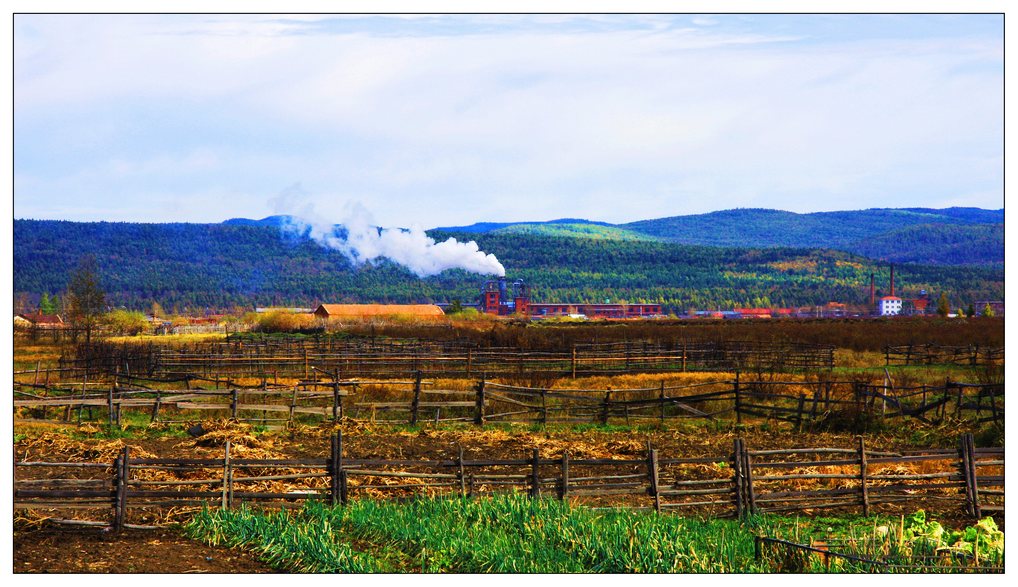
(500, 298)
(596, 311)
(889, 305)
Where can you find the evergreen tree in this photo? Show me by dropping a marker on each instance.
(46, 305)
(943, 306)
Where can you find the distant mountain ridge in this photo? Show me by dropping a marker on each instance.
(949, 236)
(483, 227)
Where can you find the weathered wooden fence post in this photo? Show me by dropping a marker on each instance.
(970, 441)
(226, 476)
(416, 403)
(747, 475)
(661, 398)
(966, 448)
(341, 472)
(121, 471)
(574, 362)
(335, 468)
(157, 405)
(563, 490)
(293, 404)
(479, 407)
(233, 404)
(109, 404)
(606, 406)
(863, 477)
(652, 470)
(737, 485)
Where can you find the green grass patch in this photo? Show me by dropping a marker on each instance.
(515, 534)
(506, 534)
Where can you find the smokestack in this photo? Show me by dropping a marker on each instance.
(892, 280)
(873, 291)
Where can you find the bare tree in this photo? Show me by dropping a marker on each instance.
(86, 299)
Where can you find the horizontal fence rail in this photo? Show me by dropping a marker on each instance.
(743, 482)
(805, 404)
(933, 354)
(388, 357)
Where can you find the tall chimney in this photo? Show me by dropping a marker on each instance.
(892, 280)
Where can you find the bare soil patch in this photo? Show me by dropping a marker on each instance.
(50, 548)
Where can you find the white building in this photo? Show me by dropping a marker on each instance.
(889, 306)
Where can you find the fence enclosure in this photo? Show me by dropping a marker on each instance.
(805, 404)
(934, 354)
(371, 358)
(741, 483)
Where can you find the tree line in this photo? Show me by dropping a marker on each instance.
(193, 267)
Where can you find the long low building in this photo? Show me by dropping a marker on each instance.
(613, 311)
(420, 311)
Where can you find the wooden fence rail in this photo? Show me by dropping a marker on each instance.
(386, 357)
(933, 354)
(802, 403)
(744, 482)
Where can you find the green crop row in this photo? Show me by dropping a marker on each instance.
(514, 534)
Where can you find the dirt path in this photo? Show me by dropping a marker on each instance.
(61, 549)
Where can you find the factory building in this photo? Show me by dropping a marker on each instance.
(596, 311)
(500, 298)
(889, 305)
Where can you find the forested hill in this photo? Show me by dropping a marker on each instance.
(223, 265)
(831, 230)
(950, 236)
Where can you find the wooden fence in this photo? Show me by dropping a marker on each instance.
(806, 404)
(743, 482)
(386, 358)
(933, 354)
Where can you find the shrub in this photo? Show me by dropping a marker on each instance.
(281, 321)
(126, 322)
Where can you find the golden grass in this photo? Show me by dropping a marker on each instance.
(858, 359)
(169, 339)
(29, 352)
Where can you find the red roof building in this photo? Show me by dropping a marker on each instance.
(44, 320)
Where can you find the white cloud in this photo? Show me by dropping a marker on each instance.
(553, 118)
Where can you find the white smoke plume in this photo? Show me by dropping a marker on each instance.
(364, 241)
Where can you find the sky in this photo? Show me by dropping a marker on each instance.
(452, 119)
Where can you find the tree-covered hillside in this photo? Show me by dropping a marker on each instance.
(223, 265)
(976, 244)
(949, 236)
(833, 230)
